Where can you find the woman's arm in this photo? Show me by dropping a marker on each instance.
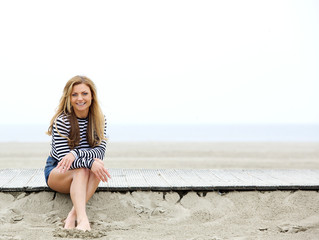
(61, 150)
(99, 170)
(96, 152)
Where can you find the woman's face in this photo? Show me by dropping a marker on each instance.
(81, 99)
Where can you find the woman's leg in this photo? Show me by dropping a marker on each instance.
(78, 197)
(74, 182)
(62, 182)
(92, 185)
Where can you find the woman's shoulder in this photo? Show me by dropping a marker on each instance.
(63, 119)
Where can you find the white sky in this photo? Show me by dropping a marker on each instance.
(163, 61)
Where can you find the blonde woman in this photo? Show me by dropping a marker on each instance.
(78, 144)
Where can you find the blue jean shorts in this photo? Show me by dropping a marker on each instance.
(51, 163)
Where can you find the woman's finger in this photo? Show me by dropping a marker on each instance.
(107, 173)
(69, 165)
(60, 166)
(64, 164)
(98, 175)
(103, 178)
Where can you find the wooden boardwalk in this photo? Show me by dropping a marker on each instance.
(30, 180)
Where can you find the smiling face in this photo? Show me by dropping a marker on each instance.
(81, 99)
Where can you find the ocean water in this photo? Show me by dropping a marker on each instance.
(188, 133)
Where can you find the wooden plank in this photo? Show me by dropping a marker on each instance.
(309, 175)
(193, 179)
(37, 181)
(7, 175)
(292, 177)
(263, 176)
(315, 171)
(305, 177)
(135, 179)
(176, 179)
(155, 180)
(247, 179)
(20, 180)
(282, 176)
(227, 177)
(173, 179)
(118, 181)
(210, 179)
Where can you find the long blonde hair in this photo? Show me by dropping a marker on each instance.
(96, 121)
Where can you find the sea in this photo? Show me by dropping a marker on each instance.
(178, 133)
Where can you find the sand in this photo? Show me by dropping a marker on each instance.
(178, 155)
(170, 215)
(158, 215)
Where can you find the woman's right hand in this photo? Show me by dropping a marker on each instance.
(99, 170)
(65, 163)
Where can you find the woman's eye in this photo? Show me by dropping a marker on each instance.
(74, 95)
(85, 93)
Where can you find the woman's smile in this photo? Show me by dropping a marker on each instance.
(81, 99)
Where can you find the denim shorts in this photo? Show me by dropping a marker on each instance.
(51, 163)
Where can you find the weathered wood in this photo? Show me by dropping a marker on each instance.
(118, 182)
(265, 178)
(192, 178)
(155, 180)
(7, 176)
(135, 179)
(176, 180)
(173, 179)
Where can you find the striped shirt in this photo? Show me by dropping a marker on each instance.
(84, 154)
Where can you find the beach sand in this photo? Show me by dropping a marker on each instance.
(170, 215)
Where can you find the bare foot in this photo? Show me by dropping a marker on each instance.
(83, 225)
(70, 220)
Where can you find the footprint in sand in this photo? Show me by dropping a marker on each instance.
(9, 237)
(74, 233)
(287, 228)
(202, 216)
(16, 219)
(17, 216)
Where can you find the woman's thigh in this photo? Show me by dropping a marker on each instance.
(60, 182)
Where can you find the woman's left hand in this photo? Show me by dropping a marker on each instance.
(65, 163)
(99, 170)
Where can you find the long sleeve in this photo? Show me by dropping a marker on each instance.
(96, 152)
(60, 146)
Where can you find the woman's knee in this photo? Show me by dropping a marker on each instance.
(60, 182)
(82, 172)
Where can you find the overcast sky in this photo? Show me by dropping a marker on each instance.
(184, 62)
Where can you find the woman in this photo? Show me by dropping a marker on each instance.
(75, 163)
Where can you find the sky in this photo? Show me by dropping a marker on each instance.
(163, 62)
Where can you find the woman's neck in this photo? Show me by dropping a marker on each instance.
(81, 114)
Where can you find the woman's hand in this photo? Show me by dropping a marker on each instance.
(99, 170)
(65, 163)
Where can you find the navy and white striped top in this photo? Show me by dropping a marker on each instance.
(84, 154)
